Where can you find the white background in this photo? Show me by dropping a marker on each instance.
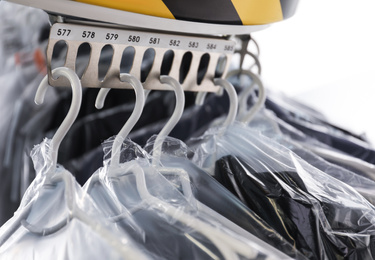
(325, 57)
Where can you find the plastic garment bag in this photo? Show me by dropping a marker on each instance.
(17, 109)
(270, 122)
(341, 221)
(21, 69)
(57, 220)
(314, 125)
(265, 123)
(290, 109)
(337, 157)
(172, 228)
(18, 133)
(210, 193)
(325, 133)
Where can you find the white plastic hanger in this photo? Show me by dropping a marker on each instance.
(53, 177)
(227, 244)
(228, 250)
(261, 97)
(243, 97)
(233, 100)
(246, 40)
(248, 115)
(53, 152)
(137, 112)
(255, 56)
(176, 116)
(73, 110)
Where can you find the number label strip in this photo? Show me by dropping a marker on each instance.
(71, 32)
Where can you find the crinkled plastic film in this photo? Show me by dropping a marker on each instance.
(17, 137)
(57, 220)
(214, 196)
(129, 151)
(306, 116)
(171, 146)
(173, 228)
(323, 131)
(361, 184)
(340, 222)
(20, 75)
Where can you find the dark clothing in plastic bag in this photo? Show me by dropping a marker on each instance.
(334, 137)
(265, 122)
(208, 191)
(297, 217)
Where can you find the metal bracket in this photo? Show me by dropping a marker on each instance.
(119, 39)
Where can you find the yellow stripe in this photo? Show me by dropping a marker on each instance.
(147, 7)
(253, 12)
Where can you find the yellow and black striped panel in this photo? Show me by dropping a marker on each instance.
(235, 12)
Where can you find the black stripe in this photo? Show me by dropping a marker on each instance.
(289, 7)
(207, 11)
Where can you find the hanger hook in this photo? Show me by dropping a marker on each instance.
(233, 99)
(256, 63)
(73, 110)
(133, 119)
(246, 39)
(177, 113)
(243, 97)
(256, 46)
(261, 96)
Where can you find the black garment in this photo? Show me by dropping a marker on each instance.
(365, 186)
(335, 137)
(282, 200)
(209, 192)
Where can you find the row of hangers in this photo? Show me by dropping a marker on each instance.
(230, 246)
(230, 240)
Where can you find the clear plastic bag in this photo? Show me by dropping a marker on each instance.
(21, 70)
(340, 222)
(56, 219)
(17, 137)
(173, 227)
(320, 129)
(209, 195)
(264, 122)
